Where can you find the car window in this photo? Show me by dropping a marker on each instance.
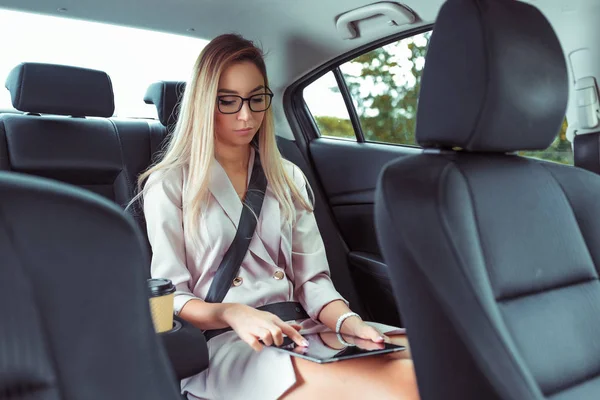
(560, 150)
(382, 88)
(327, 106)
(384, 84)
(133, 58)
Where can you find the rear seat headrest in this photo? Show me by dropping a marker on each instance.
(495, 79)
(166, 97)
(61, 90)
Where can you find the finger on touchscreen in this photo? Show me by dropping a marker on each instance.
(294, 335)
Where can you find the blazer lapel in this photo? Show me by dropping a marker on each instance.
(286, 248)
(269, 227)
(223, 191)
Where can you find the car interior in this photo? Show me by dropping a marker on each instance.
(453, 148)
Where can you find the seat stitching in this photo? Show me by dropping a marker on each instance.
(150, 140)
(449, 237)
(112, 90)
(22, 85)
(163, 102)
(542, 164)
(4, 143)
(519, 296)
(488, 56)
(124, 165)
(459, 328)
(10, 236)
(580, 382)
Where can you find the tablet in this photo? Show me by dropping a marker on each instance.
(327, 347)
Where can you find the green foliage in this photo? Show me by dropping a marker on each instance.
(336, 127)
(387, 89)
(385, 83)
(559, 151)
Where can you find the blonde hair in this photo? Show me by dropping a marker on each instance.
(192, 141)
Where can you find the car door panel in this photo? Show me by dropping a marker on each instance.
(348, 172)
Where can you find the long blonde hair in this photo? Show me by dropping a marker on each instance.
(192, 142)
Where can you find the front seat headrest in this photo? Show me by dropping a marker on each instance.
(166, 97)
(61, 90)
(495, 79)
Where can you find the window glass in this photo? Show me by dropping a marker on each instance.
(133, 58)
(327, 106)
(559, 151)
(384, 84)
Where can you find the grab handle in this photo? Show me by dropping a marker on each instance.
(394, 12)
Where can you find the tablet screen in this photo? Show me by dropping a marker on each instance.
(327, 347)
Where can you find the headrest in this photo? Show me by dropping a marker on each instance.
(166, 97)
(61, 90)
(586, 151)
(495, 79)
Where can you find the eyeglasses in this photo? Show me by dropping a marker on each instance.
(231, 104)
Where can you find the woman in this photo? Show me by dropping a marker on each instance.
(193, 200)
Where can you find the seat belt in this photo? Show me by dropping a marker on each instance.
(232, 260)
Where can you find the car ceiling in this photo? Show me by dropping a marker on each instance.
(299, 35)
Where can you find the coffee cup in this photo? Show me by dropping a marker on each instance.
(161, 303)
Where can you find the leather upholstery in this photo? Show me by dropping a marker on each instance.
(60, 90)
(166, 96)
(101, 155)
(73, 298)
(104, 156)
(492, 256)
(483, 82)
(77, 151)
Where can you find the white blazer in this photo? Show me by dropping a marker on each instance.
(285, 261)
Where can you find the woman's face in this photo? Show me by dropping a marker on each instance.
(237, 127)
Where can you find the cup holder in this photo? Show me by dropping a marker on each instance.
(176, 326)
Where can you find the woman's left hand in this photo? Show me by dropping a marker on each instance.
(355, 326)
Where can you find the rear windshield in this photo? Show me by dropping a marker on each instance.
(134, 58)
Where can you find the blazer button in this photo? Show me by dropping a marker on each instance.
(238, 281)
(279, 275)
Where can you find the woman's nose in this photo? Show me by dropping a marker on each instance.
(245, 112)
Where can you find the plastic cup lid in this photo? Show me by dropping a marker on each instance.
(160, 287)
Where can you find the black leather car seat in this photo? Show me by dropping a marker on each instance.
(494, 257)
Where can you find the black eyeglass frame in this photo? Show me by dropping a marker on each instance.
(245, 99)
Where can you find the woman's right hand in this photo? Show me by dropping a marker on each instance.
(254, 326)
